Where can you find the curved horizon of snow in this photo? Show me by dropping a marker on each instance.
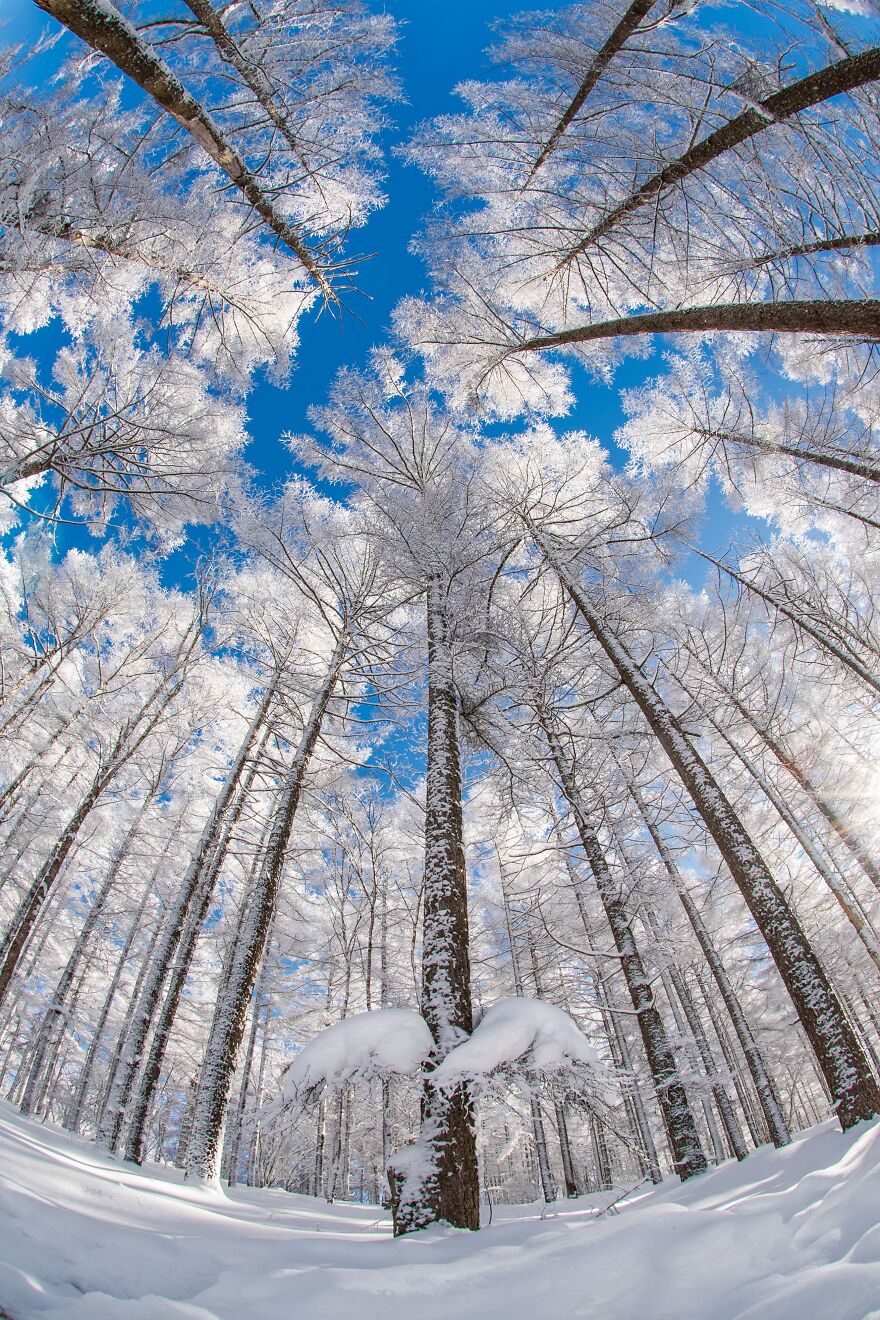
(386, 1040)
(510, 1030)
(787, 1235)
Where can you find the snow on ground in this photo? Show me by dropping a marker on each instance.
(789, 1235)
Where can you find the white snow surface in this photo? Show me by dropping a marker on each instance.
(387, 1040)
(514, 1029)
(788, 1235)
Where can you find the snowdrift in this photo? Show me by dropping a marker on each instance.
(789, 1235)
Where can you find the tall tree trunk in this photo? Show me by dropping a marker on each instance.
(548, 1186)
(74, 1113)
(446, 1186)
(843, 897)
(133, 733)
(847, 1072)
(198, 876)
(764, 1087)
(230, 1012)
(56, 1011)
(195, 919)
(684, 1141)
(616, 1036)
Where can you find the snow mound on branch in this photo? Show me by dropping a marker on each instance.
(389, 1040)
(513, 1029)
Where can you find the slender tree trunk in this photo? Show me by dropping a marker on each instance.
(446, 1187)
(856, 847)
(194, 921)
(839, 462)
(840, 1056)
(548, 1186)
(568, 1173)
(129, 739)
(105, 29)
(687, 1153)
(624, 29)
(841, 646)
(859, 317)
(843, 897)
(764, 1087)
(231, 1155)
(600, 1150)
(677, 990)
(835, 79)
(616, 1036)
(56, 1011)
(199, 874)
(230, 1012)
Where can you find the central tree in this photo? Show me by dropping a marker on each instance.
(415, 471)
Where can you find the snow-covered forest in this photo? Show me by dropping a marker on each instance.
(474, 801)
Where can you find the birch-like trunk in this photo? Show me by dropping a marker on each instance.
(56, 1013)
(195, 919)
(548, 1186)
(616, 1036)
(129, 739)
(842, 895)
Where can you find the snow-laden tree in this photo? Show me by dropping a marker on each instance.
(416, 473)
(641, 171)
(173, 241)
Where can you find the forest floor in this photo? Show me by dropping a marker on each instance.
(788, 1235)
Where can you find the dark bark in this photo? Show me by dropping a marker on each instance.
(860, 317)
(764, 1087)
(844, 76)
(840, 647)
(684, 1141)
(189, 901)
(193, 923)
(841, 1059)
(841, 462)
(58, 1009)
(106, 30)
(628, 24)
(449, 1189)
(230, 1013)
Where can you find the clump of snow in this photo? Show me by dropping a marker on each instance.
(541, 1034)
(388, 1040)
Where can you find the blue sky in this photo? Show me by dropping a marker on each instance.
(440, 46)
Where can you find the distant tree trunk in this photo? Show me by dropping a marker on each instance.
(195, 919)
(568, 1173)
(230, 1012)
(766, 1092)
(840, 1056)
(600, 1151)
(687, 1153)
(55, 1015)
(843, 897)
(548, 1186)
(848, 836)
(677, 993)
(199, 876)
(617, 1041)
(447, 1188)
(128, 740)
(232, 1154)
